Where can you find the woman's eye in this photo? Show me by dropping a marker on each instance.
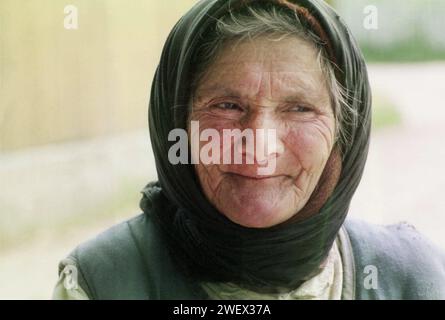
(300, 109)
(228, 106)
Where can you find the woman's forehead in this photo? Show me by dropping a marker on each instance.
(279, 71)
(267, 50)
(282, 79)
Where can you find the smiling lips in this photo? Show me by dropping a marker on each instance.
(254, 177)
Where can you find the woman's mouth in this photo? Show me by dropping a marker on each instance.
(254, 177)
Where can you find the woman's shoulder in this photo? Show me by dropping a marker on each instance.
(128, 261)
(403, 263)
(120, 239)
(115, 258)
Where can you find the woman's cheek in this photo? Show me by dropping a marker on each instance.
(309, 144)
(208, 143)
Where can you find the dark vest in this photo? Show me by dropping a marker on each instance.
(130, 261)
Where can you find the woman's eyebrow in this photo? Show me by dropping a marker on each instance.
(303, 96)
(294, 95)
(218, 90)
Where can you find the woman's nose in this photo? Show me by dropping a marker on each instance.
(267, 138)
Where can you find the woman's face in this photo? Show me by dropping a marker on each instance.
(265, 84)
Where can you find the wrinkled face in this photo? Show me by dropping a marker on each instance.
(265, 84)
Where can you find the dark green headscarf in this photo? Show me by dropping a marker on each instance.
(203, 242)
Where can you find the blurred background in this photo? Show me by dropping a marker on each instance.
(74, 143)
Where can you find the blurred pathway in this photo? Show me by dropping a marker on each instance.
(54, 197)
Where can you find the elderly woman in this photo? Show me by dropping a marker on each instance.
(228, 230)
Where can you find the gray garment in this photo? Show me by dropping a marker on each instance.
(409, 266)
(318, 287)
(130, 261)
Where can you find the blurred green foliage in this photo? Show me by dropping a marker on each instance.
(406, 30)
(403, 52)
(384, 112)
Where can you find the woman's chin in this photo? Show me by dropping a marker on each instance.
(256, 213)
(257, 203)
